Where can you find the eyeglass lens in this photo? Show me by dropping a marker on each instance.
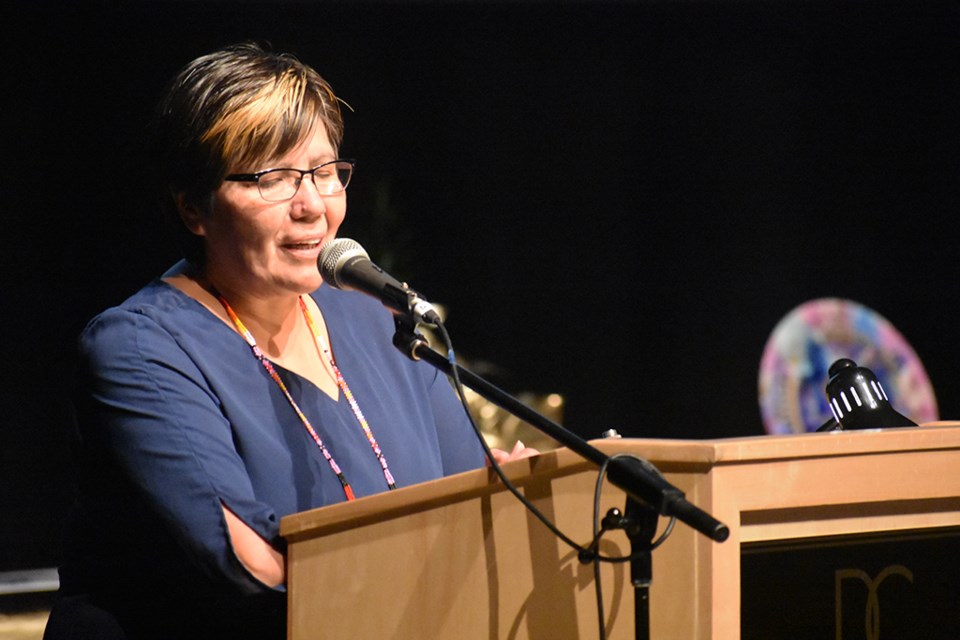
(282, 184)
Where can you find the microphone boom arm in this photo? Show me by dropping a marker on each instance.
(638, 478)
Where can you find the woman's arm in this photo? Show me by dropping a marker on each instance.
(262, 560)
(147, 405)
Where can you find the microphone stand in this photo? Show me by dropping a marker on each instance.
(640, 525)
(648, 492)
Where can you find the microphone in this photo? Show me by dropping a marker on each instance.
(344, 264)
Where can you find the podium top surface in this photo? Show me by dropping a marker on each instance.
(667, 454)
(932, 436)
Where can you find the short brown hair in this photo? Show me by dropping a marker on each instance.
(238, 106)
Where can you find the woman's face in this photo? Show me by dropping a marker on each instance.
(263, 249)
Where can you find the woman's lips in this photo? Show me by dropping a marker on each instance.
(307, 248)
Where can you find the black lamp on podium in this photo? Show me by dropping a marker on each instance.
(858, 401)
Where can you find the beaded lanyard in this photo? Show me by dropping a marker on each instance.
(341, 383)
(321, 342)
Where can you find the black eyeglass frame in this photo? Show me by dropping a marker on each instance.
(255, 177)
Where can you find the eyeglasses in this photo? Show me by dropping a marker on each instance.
(277, 185)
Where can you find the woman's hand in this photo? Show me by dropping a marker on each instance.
(519, 452)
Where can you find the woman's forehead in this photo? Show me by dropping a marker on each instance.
(313, 147)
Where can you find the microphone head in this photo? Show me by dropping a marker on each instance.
(334, 255)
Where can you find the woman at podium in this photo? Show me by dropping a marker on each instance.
(236, 389)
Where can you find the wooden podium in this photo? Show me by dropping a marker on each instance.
(461, 558)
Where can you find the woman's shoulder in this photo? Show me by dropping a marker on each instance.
(157, 299)
(158, 309)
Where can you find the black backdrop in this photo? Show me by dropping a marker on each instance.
(616, 201)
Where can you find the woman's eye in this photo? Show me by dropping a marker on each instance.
(279, 179)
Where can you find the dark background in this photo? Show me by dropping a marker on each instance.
(616, 201)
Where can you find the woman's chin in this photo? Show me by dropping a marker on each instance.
(307, 285)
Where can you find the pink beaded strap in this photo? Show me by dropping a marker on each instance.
(321, 343)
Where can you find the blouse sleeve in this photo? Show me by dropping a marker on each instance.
(150, 409)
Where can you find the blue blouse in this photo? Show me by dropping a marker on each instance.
(176, 417)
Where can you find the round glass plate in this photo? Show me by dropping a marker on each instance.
(793, 369)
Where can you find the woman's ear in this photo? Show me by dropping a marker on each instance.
(191, 214)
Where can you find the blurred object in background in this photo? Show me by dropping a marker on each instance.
(25, 600)
(803, 345)
(501, 429)
(23, 626)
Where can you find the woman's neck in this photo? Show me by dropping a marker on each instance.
(273, 320)
(284, 338)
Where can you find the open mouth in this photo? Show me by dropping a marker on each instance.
(303, 246)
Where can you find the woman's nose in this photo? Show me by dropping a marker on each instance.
(308, 202)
